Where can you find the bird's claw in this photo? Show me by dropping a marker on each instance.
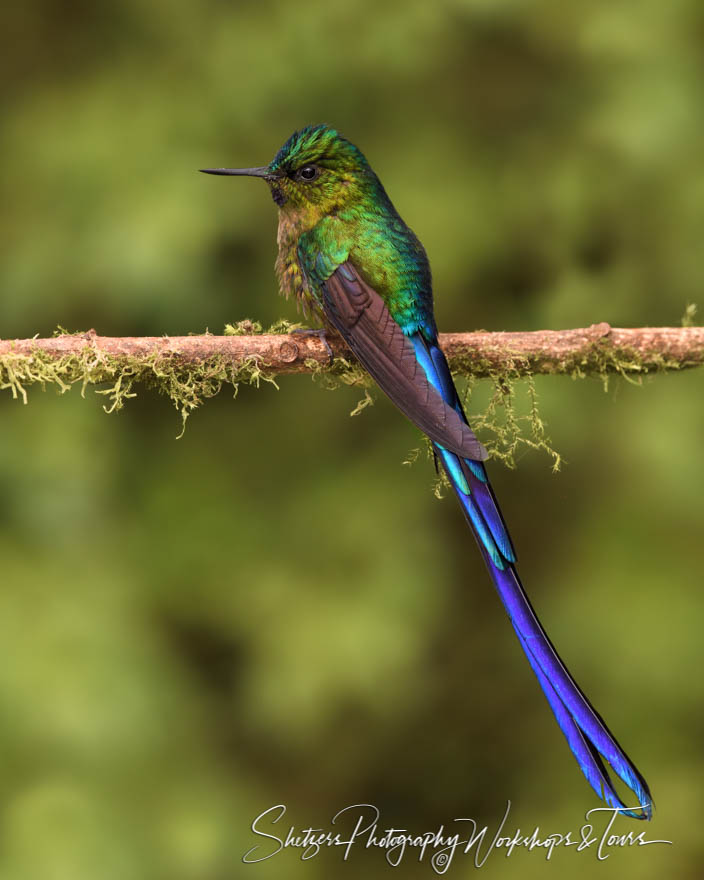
(322, 336)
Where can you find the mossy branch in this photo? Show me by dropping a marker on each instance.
(586, 351)
(190, 369)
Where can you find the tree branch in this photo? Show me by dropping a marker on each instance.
(591, 350)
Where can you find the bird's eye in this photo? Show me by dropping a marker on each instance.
(308, 173)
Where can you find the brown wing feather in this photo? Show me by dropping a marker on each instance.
(360, 315)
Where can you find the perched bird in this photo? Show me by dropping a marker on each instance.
(348, 257)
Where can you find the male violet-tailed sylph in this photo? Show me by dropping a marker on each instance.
(350, 259)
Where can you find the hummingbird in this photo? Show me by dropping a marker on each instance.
(351, 261)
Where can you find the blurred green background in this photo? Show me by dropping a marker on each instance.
(272, 609)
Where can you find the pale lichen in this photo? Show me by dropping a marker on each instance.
(690, 313)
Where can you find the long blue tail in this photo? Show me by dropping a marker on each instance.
(588, 736)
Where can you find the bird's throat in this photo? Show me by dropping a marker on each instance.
(291, 280)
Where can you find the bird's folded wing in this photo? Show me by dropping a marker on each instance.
(360, 315)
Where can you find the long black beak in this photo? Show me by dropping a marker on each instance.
(240, 172)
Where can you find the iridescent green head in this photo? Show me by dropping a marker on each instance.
(315, 172)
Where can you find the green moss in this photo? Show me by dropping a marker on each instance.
(503, 428)
(509, 423)
(187, 385)
(604, 361)
(247, 327)
(503, 431)
(343, 372)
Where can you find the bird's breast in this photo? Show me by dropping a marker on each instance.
(288, 269)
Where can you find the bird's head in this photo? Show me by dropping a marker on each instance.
(315, 173)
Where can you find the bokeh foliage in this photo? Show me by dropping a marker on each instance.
(273, 609)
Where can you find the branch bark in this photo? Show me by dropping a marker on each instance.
(599, 348)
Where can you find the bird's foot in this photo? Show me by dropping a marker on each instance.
(322, 336)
